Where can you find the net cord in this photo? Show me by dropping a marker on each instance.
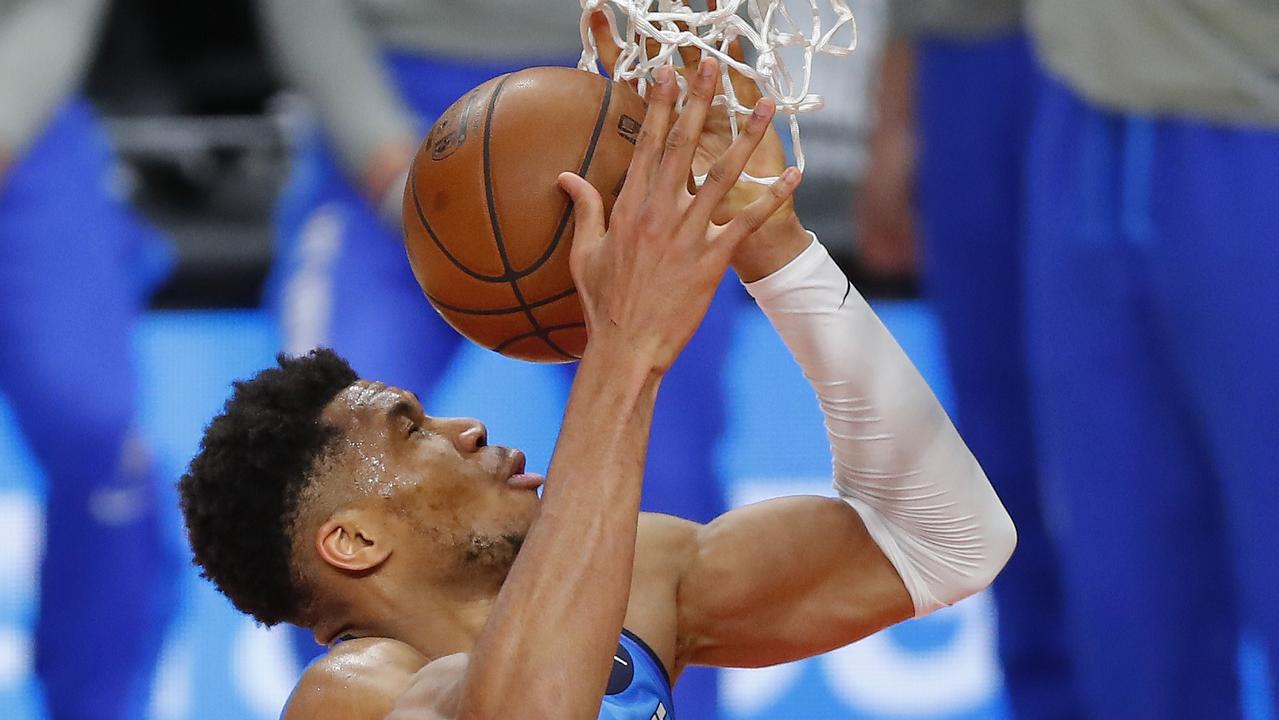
(672, 24)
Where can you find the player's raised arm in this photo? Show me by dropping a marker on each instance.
(917, 525)
(327, 53)
(645, 285)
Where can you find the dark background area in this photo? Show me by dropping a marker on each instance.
(188, 91)
(196, 111)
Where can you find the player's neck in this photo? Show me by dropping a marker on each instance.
(435, 624)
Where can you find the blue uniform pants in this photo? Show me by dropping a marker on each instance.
(342, 280)
(1153, 283)
(70, 289)
(975, 101)
(974, 105)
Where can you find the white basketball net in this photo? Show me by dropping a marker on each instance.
(772, 27)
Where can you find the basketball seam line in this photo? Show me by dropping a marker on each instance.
(535, 333)
(512, 277)
(501, 311)
(430, 231)
(496, 226)
(581, 172)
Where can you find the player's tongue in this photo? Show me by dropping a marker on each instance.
(525, 481)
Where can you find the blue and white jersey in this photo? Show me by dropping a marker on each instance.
(638, 688)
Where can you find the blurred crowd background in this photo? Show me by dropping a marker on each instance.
(1067, 211)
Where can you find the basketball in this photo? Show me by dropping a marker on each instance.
(486, 227)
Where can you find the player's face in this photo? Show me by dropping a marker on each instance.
(450, 495)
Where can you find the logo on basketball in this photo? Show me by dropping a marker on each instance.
(449, 133)
(628, 127)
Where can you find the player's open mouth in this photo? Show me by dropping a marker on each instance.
(520, 480)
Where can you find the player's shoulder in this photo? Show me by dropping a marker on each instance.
(665, 536)
(665, 545)
(356, 679)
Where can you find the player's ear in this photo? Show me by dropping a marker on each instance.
(348, 540)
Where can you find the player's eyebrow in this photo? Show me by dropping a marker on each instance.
(402, 408)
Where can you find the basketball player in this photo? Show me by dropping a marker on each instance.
(380, 73)
(74, 266)
(447, 589)
(957, 83)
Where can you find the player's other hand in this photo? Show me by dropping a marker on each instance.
(645, 282)
(782, 236)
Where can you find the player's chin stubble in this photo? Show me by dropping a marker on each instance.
(492, 552)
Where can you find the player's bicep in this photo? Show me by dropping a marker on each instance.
(785, 579)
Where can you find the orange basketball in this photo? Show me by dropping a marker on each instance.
(486, 227)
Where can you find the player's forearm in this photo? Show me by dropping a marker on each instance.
(562, 607)
(326, 52)
(898, 459)
(771, 248)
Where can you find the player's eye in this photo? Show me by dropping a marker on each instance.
(412, 428)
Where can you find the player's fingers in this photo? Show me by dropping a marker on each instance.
(652, 137)
(735, 47)
(727, 168)
(652, 48)
(588, 207)
(744, 87)
(608, 50)
(753, 216)
(688, 54)
(681, 141)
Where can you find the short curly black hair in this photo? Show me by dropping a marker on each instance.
(240, 495)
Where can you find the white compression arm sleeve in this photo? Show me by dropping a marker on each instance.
(898, 460)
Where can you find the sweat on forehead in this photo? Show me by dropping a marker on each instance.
(361, 411)
(364, 395)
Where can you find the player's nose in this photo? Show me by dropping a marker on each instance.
(468, 434)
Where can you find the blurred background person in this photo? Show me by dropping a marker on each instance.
(377, 75)
(1153, 215)
(75, 267)
(954, 107)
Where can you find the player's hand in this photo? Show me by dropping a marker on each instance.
(646, 281)
(769, 157)
(781, 237)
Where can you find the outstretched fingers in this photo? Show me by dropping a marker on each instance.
(588, 207)
(753, 216)
(727, 169)
(605, 46)
(651, 143)
(681, 142)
